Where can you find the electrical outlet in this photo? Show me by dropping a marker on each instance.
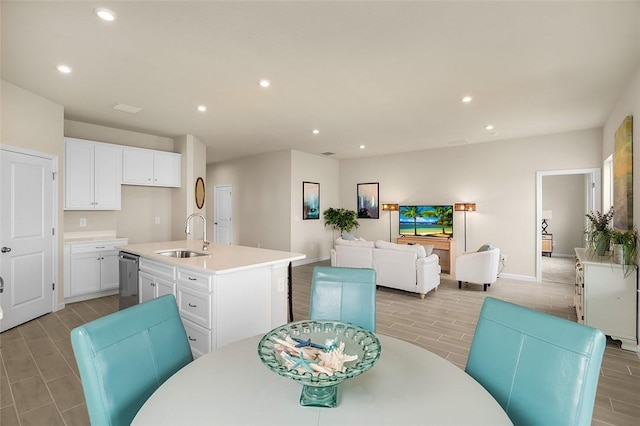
(157, 220)
(504, 257)
(83, 222)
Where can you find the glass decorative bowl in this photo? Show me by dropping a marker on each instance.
(320, 390)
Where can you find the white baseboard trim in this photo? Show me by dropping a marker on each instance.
(59, 307)
(517, 277)
(309, 260)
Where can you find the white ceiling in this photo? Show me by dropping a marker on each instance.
(388, 75)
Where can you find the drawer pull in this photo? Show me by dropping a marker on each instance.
(193, 306)
(192, 279)
(192, 339)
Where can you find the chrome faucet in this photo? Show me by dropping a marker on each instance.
(187, 229)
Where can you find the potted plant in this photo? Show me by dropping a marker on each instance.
(343, 220)
(598, 231)
(625, 247)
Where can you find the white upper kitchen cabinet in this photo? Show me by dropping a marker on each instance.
(92, 175)
(150, 167)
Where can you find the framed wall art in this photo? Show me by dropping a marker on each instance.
(368, 203)
(623, 176)
(310, 200)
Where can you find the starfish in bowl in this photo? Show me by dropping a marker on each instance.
(300, 362)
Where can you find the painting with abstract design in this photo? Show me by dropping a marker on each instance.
(368, 203)
(310, 200)
(623, 176)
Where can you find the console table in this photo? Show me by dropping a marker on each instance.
(445, 248)
(605, 297)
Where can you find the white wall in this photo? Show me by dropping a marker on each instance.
(193, 165)
(261, 198)
(499, 176)
(32, 122)
(311, 237)
(564, 195)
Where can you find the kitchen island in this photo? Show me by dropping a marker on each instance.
(225, 294)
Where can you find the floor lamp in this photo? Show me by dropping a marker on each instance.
(390, 208)
(465, 207)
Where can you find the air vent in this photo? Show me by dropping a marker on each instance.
(328, 153)
(127, 108)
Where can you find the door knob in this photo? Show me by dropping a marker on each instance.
(6, 249)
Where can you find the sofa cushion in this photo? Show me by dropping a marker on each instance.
(419, 250)
(355, 243)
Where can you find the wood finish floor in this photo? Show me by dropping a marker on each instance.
(39, 382)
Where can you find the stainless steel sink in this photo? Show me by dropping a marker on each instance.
(181, 253)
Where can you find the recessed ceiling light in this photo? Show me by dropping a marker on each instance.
(315, 131)
(488, 127)
(467, 99)
(105, 14)
(65, 69)
(202, 108)
(361, 146)
(264, 83)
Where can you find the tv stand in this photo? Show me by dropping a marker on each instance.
(445, 248)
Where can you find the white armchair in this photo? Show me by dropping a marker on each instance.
(479, 267)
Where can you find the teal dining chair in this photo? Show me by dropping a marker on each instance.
(124, 357)
(542, 370)
(345, 294)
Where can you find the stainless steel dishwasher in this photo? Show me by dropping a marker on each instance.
(128, 279)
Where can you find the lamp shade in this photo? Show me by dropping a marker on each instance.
(465, 207)
(547, 214)
(390, 207)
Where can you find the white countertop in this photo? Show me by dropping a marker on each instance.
(90, 236)
(220, 258)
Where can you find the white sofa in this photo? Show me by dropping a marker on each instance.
(401, 266)
(478, 267)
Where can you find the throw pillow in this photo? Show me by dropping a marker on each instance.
(348, 236)
(485, 247)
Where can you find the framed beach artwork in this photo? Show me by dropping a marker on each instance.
(310, 200)
(368, 201)
(623, 176)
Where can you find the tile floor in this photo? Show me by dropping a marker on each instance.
(39, 382)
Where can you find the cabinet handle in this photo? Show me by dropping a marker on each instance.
(192, 279)
(193, 306)
(99, 247)
(192, 339)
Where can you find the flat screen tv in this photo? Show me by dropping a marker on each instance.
(426, 221)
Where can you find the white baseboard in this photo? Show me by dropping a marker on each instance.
(517, 277)
(309, 260)
(89, 296)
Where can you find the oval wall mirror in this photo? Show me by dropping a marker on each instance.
(200, 193)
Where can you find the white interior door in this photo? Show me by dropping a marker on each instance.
(222, 223)
(26, 237)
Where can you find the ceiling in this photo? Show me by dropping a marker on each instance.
(386, 75)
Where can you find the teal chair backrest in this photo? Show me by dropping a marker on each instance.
(124, 357)
(542, 370)
(345, 294)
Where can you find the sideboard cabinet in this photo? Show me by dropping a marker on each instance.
(606, 297)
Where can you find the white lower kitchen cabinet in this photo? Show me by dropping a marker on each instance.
(218, 309)
(155, 279)
(91, 269)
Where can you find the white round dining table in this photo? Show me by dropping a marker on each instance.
(408, 385)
